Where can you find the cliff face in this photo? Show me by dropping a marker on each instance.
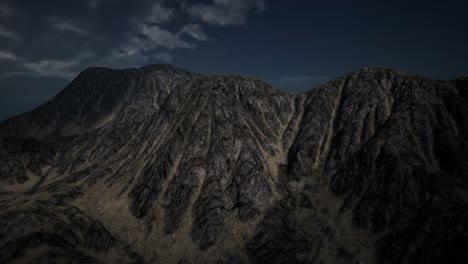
(158, 165)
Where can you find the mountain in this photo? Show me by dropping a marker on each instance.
(159, 165)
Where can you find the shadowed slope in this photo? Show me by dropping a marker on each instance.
(187, 168)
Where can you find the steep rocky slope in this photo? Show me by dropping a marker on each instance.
(158, 165)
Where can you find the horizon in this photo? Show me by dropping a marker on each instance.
(292, 46)
(228, 75)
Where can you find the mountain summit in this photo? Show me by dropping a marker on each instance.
(159, 165)
(98, 96)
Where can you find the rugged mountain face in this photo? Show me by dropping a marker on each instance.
(96, 97)
(158, 165)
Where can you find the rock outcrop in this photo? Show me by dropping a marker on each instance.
(159, 165)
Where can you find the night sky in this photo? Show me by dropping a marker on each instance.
(294, 45)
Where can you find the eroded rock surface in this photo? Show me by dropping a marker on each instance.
(159, 165)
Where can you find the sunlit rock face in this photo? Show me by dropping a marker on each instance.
(159, 165)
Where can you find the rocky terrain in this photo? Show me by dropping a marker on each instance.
(159, 165)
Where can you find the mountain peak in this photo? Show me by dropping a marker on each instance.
(99, 95)
(366, 165)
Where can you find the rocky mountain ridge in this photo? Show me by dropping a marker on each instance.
(158, 165)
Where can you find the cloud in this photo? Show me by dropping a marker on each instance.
(158, 37)
(7, 11)
(160, 14)
(164, 57)
(52, 68)
(66, 69)
(153, 37)
(6, 55)
(4, 33)
(195, 31)
(120, 59)
(226, 12)
(93, 4)
(63, 26)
